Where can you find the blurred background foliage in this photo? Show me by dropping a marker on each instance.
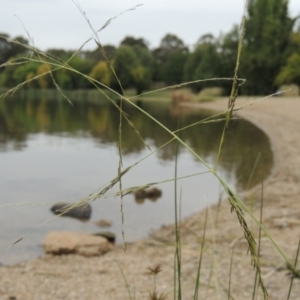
(270, 58)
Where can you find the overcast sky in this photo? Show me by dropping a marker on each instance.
(59, 24)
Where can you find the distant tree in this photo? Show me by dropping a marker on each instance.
(101, 73)
(144, 56)
(140, 67)
(20, 47)
(169, 44)
(109, 51)
(30, 82)
(146, 68)
(10, 49)
(60, 53)
(207, 38)
(228, 46)
(170, 51)
(83, 66)
(141, 77)
(290, 73)
(134, 68)
(125, 61)
(5, 48)
(132, 42)
(6, 77)
(295, 39)
(44, 81)
(203, 63)
(22, 72)
(64, 79)
(267, 40)
(97, 55)
(174, 68)
(191, 64)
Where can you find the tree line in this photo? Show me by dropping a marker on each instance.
(270, 58)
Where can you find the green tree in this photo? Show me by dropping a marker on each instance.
(203, 63)
(30, 82)
(10, 49)
(60, 53)
(5, 48)
(171, 51)
(132, 42)
(145, 69)
(141, 77)
(290, 73)
(44, 81)
(101, 73)
(134, 68)
(22, 72)
(83, 66)
(174, 67)
(124, 62)
(6, 77)
(266, 44)
(96, 55)
(64, 79)
(228, 46)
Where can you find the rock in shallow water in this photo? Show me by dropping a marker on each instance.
(82, 212)
(110, 236)
(103, 223)
(153, 194)
(67, 242)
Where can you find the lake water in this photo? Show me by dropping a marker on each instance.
(51, 151)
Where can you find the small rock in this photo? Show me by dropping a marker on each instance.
(152, 194)
(139, 200)
(140, 194)
(67, 242)
(79, 212)
(110, 236)
(103, 223)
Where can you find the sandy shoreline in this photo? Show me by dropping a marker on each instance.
(74, 277)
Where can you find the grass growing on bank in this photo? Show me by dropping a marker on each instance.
(237, 205)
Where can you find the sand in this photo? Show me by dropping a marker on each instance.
(75, 277)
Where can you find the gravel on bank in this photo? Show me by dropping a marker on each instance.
(76, 277)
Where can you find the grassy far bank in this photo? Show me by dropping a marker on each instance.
(175, 95)
(90, 95)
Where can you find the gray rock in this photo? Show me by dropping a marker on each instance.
(110, 236)
(103, 223)
(82, 212)
(67, 242)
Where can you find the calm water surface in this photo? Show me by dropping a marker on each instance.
(51, 151)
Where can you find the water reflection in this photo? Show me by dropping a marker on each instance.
(19, 118)
(51, 151)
